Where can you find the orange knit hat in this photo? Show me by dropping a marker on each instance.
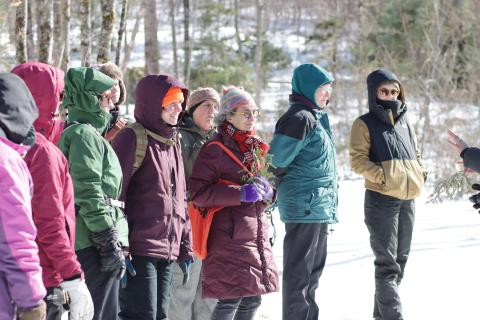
(174, 94)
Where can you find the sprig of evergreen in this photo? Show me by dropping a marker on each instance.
(451, 188)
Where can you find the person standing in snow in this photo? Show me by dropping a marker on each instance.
(52, 202)
(21, 287)
(197, 126)
(384, 150)
(304, 156)
(101, 226)
(155, 197)
(239, 266)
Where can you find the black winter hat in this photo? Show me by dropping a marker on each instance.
(376, 78)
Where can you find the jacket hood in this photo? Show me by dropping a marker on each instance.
(148, 102)
(83, 86)
(18, 110)
(46, 86)
(374, 80)
(187, 124)
(307, 78)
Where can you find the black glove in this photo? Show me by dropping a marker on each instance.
(111, 254)
(476, 197)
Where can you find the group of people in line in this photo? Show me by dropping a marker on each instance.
(94, 211)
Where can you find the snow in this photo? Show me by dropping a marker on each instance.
(441, 277)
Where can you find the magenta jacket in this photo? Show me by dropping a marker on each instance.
(52, 202)
(240, 260)
(155, 196)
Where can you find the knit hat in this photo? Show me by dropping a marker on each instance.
(307, 78)
(234, 97)
(200, 95)
(114, 72)
(174, 94)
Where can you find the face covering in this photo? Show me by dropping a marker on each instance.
(394, 105)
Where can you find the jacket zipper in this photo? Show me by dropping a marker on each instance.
(403, 164)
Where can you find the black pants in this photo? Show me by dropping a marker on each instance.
(390, 223)
(304, 256)
(56, 304)
(236, 309)
(103, 286)
(147, 295)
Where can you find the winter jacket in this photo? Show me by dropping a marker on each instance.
(94, 166)
(304, 149)
(240, 261)
(52, 202)
(471, 158)
(384, 149)
(192, 139)
(155, 196)
(20, 272)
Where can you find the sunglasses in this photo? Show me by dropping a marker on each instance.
(386, 92)
(247, 114)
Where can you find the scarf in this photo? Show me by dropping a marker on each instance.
(248, 144)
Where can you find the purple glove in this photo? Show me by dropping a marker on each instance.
(251, 192)
(267, 189)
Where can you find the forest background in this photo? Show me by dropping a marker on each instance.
(432, 45)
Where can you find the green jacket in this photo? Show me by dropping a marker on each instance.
(192, 140)
(93, 164)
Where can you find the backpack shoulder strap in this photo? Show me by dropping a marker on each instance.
(231, 155)
(141, 144)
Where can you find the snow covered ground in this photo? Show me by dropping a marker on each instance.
(442, 277)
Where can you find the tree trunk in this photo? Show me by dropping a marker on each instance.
(45, 31)
(85, 29)
(174, 38)
(21, 33)
(65, 34)
(237, 28)
(57, 32)
(108, 18)
(187, 49)
(152, 49)
(260, 8)
(121, 31)
(30, 40)
(129, 47)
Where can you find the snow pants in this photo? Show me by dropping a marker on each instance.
(236, 309)
(390, 223)
(103, 286)
(304, 257)
(186, 302)
(147, 294)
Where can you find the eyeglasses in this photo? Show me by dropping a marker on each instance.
(327, 90)
(384, 92)
(248, 114)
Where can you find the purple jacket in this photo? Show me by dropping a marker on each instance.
(155, 196)
(240, 260)
(20, 272)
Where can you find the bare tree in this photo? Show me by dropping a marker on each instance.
(121, 31)
(45, 11)
(85, 29)
(21, 32)
(259, 9)
(108, 18)
(129, 46)
(30, 40)
(237, 27)
(152, 50)
(65, 34)
(187, 49)
(57, 32)
(174, 37)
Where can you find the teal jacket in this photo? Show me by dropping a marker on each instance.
(303, 151)
(93, 165)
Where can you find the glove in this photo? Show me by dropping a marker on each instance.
(36, 313)
(251, 192)
(111, 254)
(81, 304)
(185, 266)
(476, 197)
(130, 269)
(265, 185)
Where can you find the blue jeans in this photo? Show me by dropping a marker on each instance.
(236, 309)
(147, 295)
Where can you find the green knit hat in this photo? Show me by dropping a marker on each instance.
(307, 78)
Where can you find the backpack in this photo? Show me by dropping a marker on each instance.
(141, 135)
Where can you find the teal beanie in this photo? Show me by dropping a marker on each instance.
(307, 78)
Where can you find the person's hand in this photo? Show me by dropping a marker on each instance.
(251, 192)
(185, 266)
(130, 270)
(111, 254)
(476, 197)
(265, 185)
(456, 142)
(81, 304)
(36, 313)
